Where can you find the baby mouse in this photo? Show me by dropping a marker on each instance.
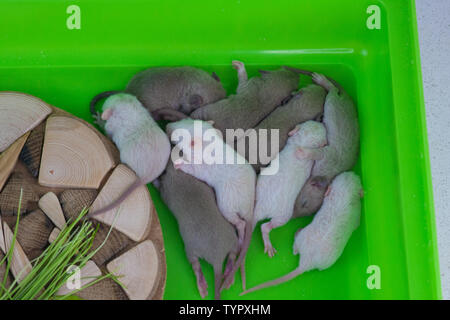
(276, 193)
(170, 92)
(322, 242)
(205, 232)
(255, 98)
(306, 104)
(234, 183)
(143, 146)
(341, 121)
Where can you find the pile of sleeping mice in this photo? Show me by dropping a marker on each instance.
(217, 206)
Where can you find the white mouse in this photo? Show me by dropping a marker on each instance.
(142, 144)
(276, 193)
(322, 242)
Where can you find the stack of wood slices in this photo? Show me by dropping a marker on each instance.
(62, 164)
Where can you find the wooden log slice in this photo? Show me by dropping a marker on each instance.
(107, 289)
(53, 235)
(137, 269)
(62, 198)
(50, 205)
(20, 264)
(73, 155)
(9, 197)
(20, 113)
(88, 274)
(33, 233)
(133, 216)
(9, 158)
(32, 150)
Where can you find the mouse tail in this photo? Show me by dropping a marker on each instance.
(217, 281)
(299, 71)
(168, 114)
(99, 97)
(310, 73)
(241, 259)
(119, 200)
(291, 275)
(243, 276)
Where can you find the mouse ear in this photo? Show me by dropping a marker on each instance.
(296, 233)
(107, 114)
(264, 72)
(195, 100)
(215, 76)
(211, 122)
(328, 191)
(294, 131)
(319, 182)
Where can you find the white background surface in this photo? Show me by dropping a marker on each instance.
(434, 36)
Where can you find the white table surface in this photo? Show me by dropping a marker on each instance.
(434, 36)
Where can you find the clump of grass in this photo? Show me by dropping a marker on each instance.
(50, 270)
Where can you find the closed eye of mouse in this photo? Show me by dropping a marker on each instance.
(195, 101)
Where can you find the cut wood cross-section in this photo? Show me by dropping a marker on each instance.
(49, 203)
(137, 269)
(90, 272)
(2, 237)
(9, 158)
(61, 164)
(20, 265)
(19, 114)
(53, 235)
(73, 155)
(32, 150)
(133, 215)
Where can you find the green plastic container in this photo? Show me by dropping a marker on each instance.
(380, 69)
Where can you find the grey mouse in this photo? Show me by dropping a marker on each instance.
(170, 92)
(306, 104)
(205, 232)
(341, 121)
(255, 98)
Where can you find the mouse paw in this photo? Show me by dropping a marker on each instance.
(98, 120)
(177, 164)
(269, 249)
(228, 269)
(309, 154)
(202, 287)
(227, 283)
(238, 65)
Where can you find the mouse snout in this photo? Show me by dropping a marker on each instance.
(323, 143)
